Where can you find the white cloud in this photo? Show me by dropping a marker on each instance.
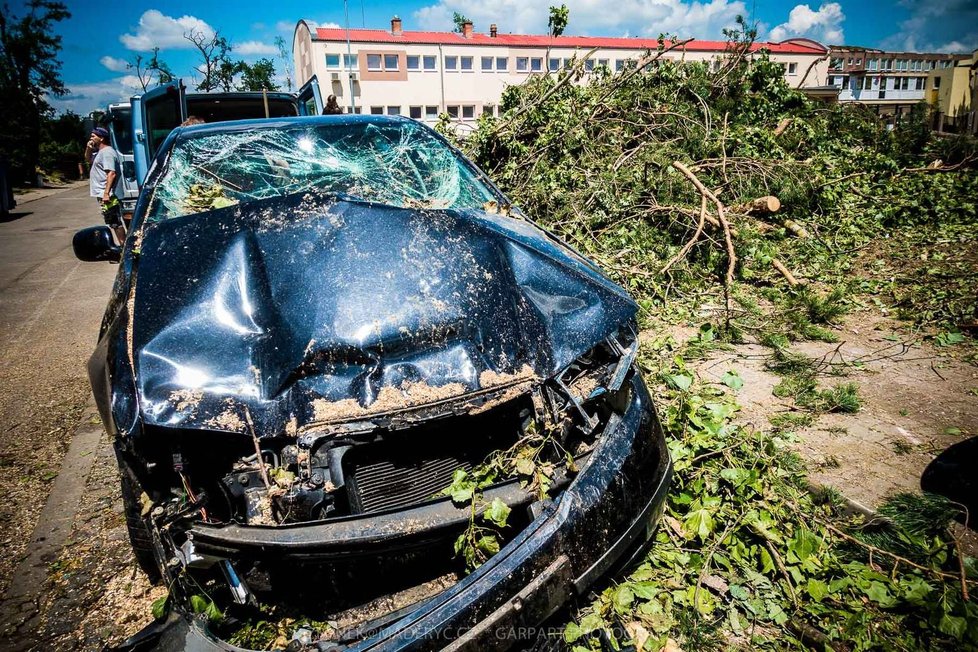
(254, 48)
(947, 26)
(824, 25)
(84, 98)
(113, 64)
(156, 30)
(646, 17)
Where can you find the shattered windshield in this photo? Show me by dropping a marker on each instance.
(398, 163)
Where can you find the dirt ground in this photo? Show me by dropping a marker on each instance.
(917, 399)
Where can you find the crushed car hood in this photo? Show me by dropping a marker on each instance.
(302, 309)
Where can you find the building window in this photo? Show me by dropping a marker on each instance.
(835, 63)
(468, 112)
(413, 62)
(850, 61)
(350, 61)
(502, 64)
(489, 109)
(619, 65)
(357, 109)
(792, 68)
(333, 61)
(589, 65)
(376, 110)
(415, 112)
(374, 62)
(522, 64)
(431, 113)
(390, 62)
(554, 65)
(451, 63)
(536, 64)
(393, 110)
(466, 64)
(429, 61)
(937, 82)
(603, 63)
(452, 111)
(872, 64)
(487, 64)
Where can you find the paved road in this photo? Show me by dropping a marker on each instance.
(50, 308)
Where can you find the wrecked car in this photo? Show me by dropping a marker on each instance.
(359, 401)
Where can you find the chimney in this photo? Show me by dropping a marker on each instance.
(467, 29)
(492, 30)
(396, 26)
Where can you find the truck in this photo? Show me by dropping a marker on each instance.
(137, 128)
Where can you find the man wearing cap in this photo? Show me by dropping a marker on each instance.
(103, 180)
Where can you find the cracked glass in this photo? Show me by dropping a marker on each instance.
(400, 164)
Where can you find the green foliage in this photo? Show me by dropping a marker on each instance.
(29, 73)
(746, 557)
(459, 20)
(557, 22)
(593, 163)
(258, 76)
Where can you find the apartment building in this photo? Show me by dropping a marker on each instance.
(953, 93)
(425, 74)
(891, 82)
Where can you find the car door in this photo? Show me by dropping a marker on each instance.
(310, 98)
(119, 122)
(155, 114)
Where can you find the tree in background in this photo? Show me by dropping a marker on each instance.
(213, 51)
(154, 66)
(258, 76)
(226, 72)
(62, 144)
(286, 58)
(459, 20)
(29, 71)
(558, 20)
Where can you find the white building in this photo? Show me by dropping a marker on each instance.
(424, 74)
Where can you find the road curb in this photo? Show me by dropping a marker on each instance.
(40, 193)
(19, 610)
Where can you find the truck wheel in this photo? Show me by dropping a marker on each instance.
(139, 536)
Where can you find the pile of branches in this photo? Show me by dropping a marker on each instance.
(675, 174)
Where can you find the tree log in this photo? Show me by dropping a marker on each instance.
(760, 206)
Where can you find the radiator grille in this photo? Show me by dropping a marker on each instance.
(389, 484)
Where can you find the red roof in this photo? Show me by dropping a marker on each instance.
(794, 46)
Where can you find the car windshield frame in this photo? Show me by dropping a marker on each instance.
(387, 161)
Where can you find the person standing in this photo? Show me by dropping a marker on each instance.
(332, 106)
(103, 180)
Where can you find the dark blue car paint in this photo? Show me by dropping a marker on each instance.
(248, 307)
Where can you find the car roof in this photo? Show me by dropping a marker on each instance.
(233, 126)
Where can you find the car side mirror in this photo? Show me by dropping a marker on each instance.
(95, 244)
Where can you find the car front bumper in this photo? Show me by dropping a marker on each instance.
(605, 514)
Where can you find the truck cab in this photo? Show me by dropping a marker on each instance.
(157, 112)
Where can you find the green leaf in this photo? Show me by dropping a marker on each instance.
(623, 599)
(732, 380)
(699, 523)
(953, 626)
(572, 632)
(488, 544)
(952, 431)
(680, 382)
(767, 562)
(497, 513)
(736, 477)
(817, 589)
(878, 593)
(158, 607)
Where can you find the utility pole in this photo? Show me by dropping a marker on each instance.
(349, 57)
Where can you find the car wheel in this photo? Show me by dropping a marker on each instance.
(139, 536)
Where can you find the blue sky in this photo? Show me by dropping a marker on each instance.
(101, 37)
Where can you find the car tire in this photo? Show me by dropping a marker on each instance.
(139, 535)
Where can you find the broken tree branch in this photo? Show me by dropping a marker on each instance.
(727, 236)
(692, 241)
